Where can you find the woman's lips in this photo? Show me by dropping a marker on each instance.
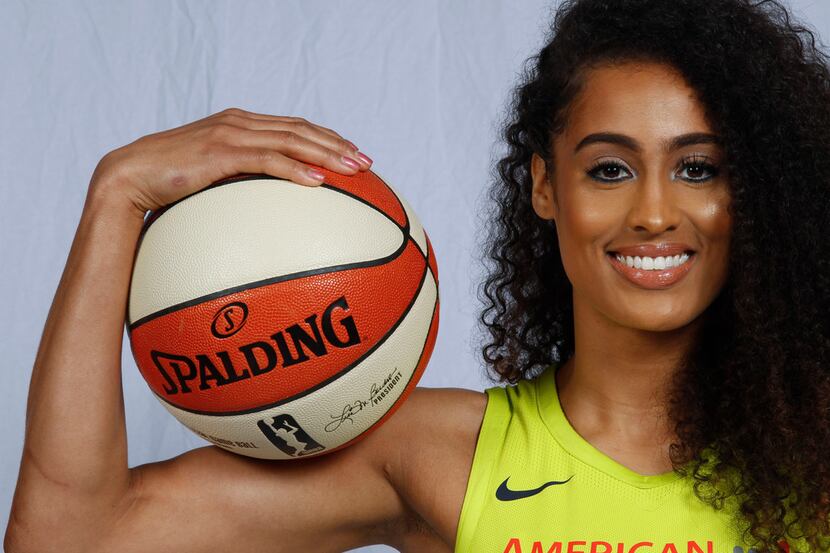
(652, 279)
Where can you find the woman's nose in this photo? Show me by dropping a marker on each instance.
(653, 206)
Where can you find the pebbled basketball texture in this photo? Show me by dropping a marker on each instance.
(278, 320)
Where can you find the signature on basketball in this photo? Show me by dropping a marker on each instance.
(376, 394)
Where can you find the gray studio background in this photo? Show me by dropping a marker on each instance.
(419, 85)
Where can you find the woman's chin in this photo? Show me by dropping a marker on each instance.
(656, 320)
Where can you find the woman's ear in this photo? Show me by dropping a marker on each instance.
(543, 196)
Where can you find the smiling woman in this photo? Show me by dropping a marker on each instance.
(659, 275)
(656, 307)
(654, 211)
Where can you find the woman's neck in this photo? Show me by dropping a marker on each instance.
(614, 388)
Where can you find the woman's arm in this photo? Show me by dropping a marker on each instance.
(75, 491)
(74, 464)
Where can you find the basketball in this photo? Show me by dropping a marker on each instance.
(279, 321)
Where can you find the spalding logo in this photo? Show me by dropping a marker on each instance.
(180, 372)
(229, 320)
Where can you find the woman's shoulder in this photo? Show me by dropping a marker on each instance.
(432, 416)
(453, 411)
(464, 404)
(434, 419)
(428, 447)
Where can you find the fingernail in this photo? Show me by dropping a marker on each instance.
(355, 148)
(350, 162)
(364, 158)
(316, 175)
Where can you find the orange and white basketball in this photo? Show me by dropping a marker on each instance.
(278, 320)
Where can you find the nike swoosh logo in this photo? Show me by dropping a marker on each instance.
(503, 493)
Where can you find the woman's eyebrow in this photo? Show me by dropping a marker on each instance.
(632, 144)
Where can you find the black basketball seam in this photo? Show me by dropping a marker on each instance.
(266, 282)
(405, 229)
(403, 209)
(324, 382)
(412, 374)
(153, 216)
(334, 268)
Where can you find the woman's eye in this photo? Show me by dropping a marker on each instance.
(606, 171)
(696, 168)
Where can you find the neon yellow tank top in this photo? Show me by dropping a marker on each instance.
(537, 486)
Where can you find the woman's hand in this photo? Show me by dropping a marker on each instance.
(160, 168)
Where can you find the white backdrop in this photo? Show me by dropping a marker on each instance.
(418, 85)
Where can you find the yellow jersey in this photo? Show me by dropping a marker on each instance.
(537, 486)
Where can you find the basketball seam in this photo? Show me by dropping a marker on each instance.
(322, 270)
(407, 227)
(153, 216)
(396, 402)
(268, 281)
(329, 379)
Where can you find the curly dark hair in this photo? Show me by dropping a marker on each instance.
(751, 400)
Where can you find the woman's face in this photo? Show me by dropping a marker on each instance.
(637, 167)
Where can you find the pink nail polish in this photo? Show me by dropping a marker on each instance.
(364, 158)
(349, 162)
(316, 175)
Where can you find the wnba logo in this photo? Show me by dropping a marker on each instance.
(285, 432)
(229, 320)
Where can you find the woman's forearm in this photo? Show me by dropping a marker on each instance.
(74, 462)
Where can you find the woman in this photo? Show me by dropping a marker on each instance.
(658, 304)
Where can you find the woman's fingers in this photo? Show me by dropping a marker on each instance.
(271, 162)
(160, 168)
(298, 125)
(329, 153)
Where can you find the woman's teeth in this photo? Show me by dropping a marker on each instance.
(653, 263)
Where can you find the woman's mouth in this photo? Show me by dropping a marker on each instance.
(653, 272)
